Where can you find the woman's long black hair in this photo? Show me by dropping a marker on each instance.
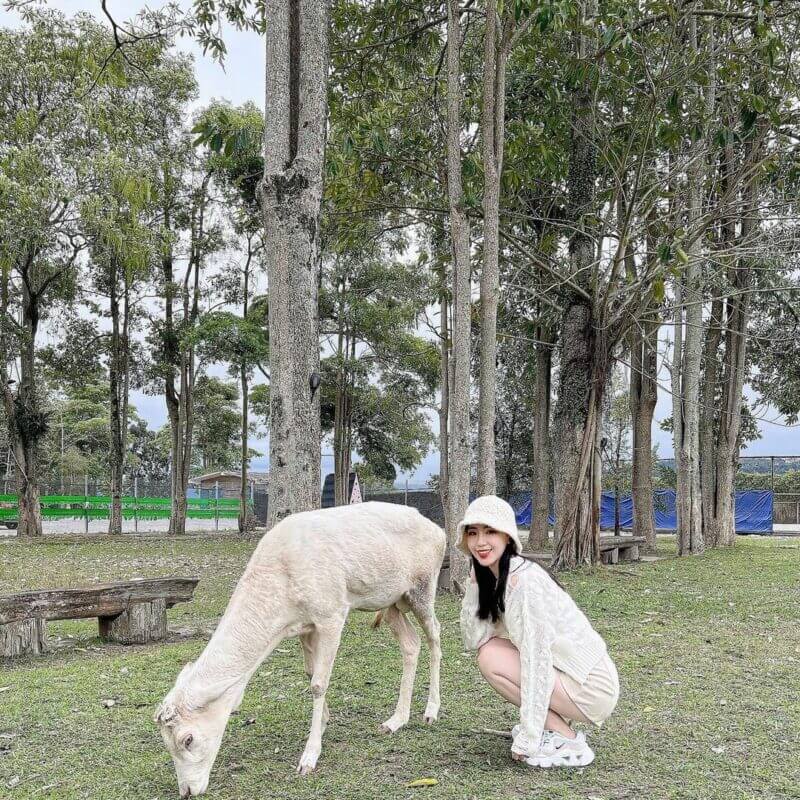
(491, 592)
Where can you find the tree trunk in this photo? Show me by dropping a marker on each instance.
(460, 459)
(117, 402)
(584, 357)
(180, 401)
(735, 362)
(294, 138)
(597, 484)
(540, 496)
(583, 374)
(643, 397)
(172, 359)
(245, 523)
(26, 423)
(444, 444)
(493, 135)
(689, 501)
(708, 417)
(340, 478)
(246, 520)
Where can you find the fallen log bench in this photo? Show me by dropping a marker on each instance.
(128, 612)
(620, 548)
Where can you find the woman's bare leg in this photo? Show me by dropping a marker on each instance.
(498, 661)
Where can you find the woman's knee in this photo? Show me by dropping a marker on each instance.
(486, 658)
(496, 658)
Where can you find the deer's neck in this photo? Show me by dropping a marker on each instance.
(256, 620)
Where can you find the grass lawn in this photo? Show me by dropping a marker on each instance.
(708, 651)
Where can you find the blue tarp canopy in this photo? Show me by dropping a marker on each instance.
(753, 511)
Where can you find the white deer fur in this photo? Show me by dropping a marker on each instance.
(303, 579)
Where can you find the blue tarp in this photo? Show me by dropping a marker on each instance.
(753, 511)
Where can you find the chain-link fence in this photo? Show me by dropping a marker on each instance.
(71, 504)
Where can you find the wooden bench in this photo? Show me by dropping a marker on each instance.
(128, 612)
(620, 548)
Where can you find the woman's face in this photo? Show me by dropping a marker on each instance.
(486, 544)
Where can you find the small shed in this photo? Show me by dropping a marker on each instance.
(229, 482)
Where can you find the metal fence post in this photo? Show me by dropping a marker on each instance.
(216, 505)
(136, 503)
(86, 502)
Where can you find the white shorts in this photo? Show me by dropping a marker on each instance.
(597, 696)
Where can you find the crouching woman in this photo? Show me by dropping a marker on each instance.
(535, 646)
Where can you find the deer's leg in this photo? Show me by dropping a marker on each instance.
(421, 601)
(326, 644)
(308, 643)
(409, 647)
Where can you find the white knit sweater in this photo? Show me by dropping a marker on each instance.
(548, 629)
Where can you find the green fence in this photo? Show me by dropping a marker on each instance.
(135, 508)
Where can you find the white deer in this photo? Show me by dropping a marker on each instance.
(303, 579)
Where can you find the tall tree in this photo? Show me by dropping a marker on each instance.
(45, 122)
(500, 34)
(370, 303)
(294, 149)
(584, 356)
(235, 135)
(121, 248)
(459, 460)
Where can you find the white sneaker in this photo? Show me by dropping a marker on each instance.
(556, 750)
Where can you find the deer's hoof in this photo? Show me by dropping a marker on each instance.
(308, 763)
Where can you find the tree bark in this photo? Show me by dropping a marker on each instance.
(444, 422)
(726, 451)
(294, 148)
(246, 521)
(493, 135)
(460, 458)
(180, 399)
(26, 423)
(643, 397)
(119, 377)
(708, 419)
(540, 496)
(171, 355)
(689, 499)
(584, 357)
(341, 467)
(583, 374)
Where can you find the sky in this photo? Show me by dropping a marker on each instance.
(241, 79)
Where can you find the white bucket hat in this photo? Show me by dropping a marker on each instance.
(491, 511)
